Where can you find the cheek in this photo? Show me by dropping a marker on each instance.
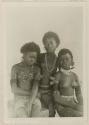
(33, 60)
(70, 61)
(54, 44)
(54, 47)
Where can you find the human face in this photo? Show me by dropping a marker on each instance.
(30, 58)
(66, 61)
(50, 45)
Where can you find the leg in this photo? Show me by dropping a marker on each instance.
(20, 109)
(51, 110)
(48, 103)
(36, 108)
(67, 111)
(21, 113)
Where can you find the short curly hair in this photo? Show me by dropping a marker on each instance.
(51, 34)
(30, 47)
(63, 52)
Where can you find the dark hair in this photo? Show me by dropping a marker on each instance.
(51, 34)
(30, 47)
(63, 52)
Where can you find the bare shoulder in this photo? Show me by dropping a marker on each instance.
(74, 75)
(76, 79)
(58, 75)
(16, 66)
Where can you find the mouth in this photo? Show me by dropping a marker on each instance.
(67, 67)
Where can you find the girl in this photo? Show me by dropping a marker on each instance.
(67, 94)
(25, 78)
(47, 62)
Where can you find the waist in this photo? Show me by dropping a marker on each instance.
(67, 96)
(65, 91)
(24, 86)
(45, 86)
(70, 98)
(43, 91)
(16, 96)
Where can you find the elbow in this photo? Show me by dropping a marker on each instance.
(13, 90)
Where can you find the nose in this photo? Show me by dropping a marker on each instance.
(32, 60)
(49, 45)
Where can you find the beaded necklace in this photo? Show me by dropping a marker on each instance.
(52, 67)
(66, 72)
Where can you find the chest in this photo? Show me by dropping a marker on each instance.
(48, 65)
(66, 81)
(25, 74)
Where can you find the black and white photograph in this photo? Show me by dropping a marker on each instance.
(44, 61)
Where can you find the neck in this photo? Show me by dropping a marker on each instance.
(51, 54)
(26, 64)
(65, 71)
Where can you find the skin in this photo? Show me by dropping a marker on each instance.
(66, 63)
(29, 58)
(50, 45)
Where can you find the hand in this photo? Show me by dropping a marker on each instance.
(29, 108)
(56, 95)
(51, 83)
(52, 80)
(38, 77)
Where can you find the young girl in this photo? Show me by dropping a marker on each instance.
(67, 94)
(25, 78)
(47, 62)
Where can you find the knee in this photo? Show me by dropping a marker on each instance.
(36, 108)
(37, 103)
(21, 113)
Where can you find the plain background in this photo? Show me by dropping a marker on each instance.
(25, 24)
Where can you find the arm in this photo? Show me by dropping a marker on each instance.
(55, 81)
(70, 103)
(63, 101)
(78, 92)
(34, 91)
(79, 95)
(14, 87)
(35, 86)
(57, 97)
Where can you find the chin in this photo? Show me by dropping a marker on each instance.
(66, 68)
(30, 64)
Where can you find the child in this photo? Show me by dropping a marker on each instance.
(25, 78)
(67, 94)
(47, 62)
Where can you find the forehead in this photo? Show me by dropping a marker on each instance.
(50, 39)
(31, 54)
(66, 55)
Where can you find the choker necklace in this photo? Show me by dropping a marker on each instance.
(52, 67)
(67, 72)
